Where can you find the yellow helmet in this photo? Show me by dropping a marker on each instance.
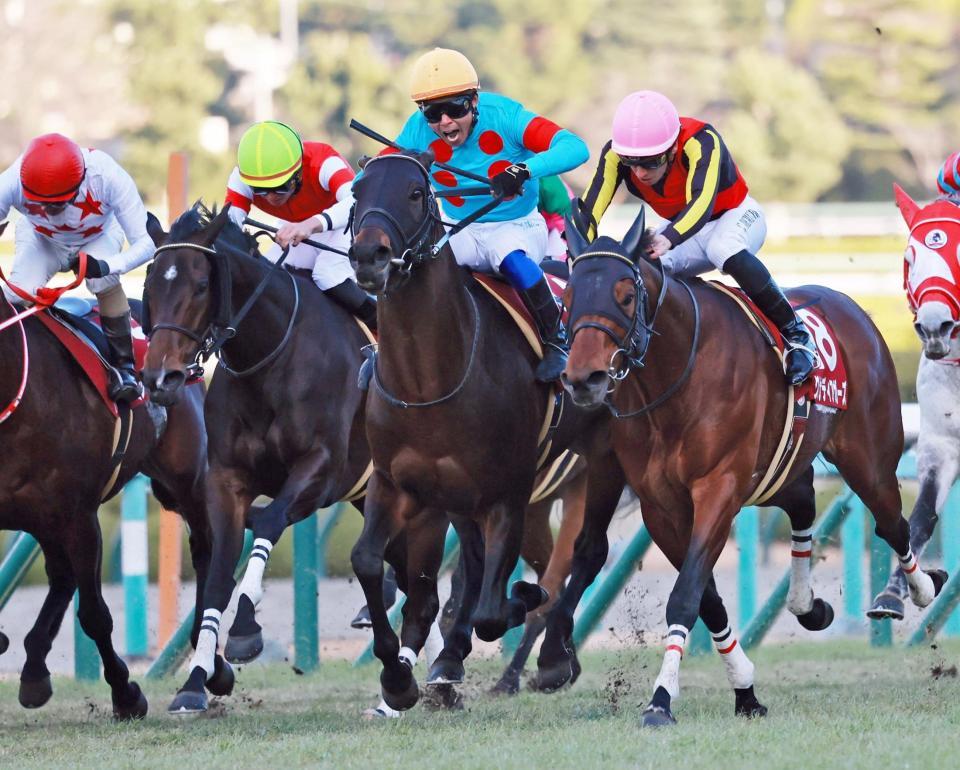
(442, 72)
(269, 154)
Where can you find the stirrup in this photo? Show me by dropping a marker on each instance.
(552, 364)
(124, 389)
(365, 374)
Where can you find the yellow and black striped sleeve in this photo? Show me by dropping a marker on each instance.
(702, 154)
(606, 180)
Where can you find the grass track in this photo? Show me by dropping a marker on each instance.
(831, 705)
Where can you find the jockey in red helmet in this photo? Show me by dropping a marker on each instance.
(75, 200)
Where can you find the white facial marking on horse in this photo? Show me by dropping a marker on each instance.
(171, 273)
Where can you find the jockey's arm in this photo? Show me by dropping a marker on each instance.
(702, 154)
(240, 197)
(9, 189)
(132, 215)
(606, 179)
(556, 149)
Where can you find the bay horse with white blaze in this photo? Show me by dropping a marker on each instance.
(700, 403)
(60, 444)
(931, 278)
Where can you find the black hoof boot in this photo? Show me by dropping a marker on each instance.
(191, 699)
(819, 617)
(402, 694)
(362, 619)
(531, 594)
(939, 578)
(245, 641)
(133, 704)
(446, 669)
(886, 605)
(658, 713)
(221, 683)
(747, 704)
(34, 694)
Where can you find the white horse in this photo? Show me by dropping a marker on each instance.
(932, 283)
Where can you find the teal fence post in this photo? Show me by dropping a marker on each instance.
(325, 528)
(134, 561)
(21, 553)
(86, 658)
(511, 639)
(613, 582)
(950, 538)
(306, 636)
(747, 529)
(175, 651)
(881, 631)
(853, 534)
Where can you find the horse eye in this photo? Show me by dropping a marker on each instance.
(628, 300)
(202, 287)
(416, 195)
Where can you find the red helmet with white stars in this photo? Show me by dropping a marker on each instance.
(52, 169)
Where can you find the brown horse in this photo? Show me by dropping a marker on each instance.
(59, 442)
(701, 404)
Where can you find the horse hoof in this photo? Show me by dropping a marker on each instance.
(886, 605)
(506, 686)
(446, 669)
(551, 678)
(405, 696)
(35, 694)
(188, 703)
(243, 649)
(819, 617)
(362, 619)
(531, 594)
(134, 708)
(4, 643)
(747, 704)
(221, 683)
(939, 578)
(442, 697)
(657, 716)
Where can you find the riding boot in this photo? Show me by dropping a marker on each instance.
(355, 300)
(543, 306)
(124, 387)
(755, 280)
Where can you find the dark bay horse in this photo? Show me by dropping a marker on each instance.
(59, 441)
(708, 402)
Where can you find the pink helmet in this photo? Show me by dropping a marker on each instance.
(646, 123)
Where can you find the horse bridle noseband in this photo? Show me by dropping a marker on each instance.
(633, 346)
(220, 331)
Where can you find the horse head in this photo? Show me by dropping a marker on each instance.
(185, 295)
(608, 320)
(393, 219)
(931, 271)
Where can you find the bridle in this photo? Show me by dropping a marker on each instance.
(632, 347)
(223, 327)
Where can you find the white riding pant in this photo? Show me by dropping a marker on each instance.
(482, 246)
(741, 229)
(328, 269)
(37, 259)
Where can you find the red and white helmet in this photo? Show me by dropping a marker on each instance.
(646, 123)
(52, 169)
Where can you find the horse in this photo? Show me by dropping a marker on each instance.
(58, 469)
(931, 278)
(699, 401)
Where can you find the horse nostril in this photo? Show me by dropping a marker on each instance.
(918, 327)
(946, 328)
(597, 380)
(174, 380)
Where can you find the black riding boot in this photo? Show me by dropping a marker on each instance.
(755, 280)
(546, 312)
(354, 299)
(124, 386)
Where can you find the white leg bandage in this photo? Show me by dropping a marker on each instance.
(252, 583)
(739, 667)
(434, 644)
(922, 590)
(669, 676)
(408, 655)
(800, 596)
(207, 642)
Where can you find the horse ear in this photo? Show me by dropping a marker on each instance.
(576, 243)
(154, 229)
(426, 158)
(362, 161)
(216, 225)
(3, 226)
(634, 238)
(906, 204)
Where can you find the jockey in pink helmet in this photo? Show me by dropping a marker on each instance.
(683, 170)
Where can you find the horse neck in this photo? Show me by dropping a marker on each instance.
(426, 330)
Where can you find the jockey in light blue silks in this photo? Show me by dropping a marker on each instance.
(495, 137)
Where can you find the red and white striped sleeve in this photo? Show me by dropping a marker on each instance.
(336, 177)
(239, 196)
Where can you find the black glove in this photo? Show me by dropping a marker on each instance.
(96, 268)
(509, 182)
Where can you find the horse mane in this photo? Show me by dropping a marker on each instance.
(198, 217)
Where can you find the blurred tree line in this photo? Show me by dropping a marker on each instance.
(818, 99)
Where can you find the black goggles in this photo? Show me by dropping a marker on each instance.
(454, 108)
(287, 187)
(648, 162)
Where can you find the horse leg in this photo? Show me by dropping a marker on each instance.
(385, 510)
(937, 465)
(35, 687)
(227, 500)
(557, 663)
(714, 508)
(85, 553)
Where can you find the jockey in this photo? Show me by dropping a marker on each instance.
(74, 200)
(308, 187)
(948, 180)
(684, 171)
(497, 138)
